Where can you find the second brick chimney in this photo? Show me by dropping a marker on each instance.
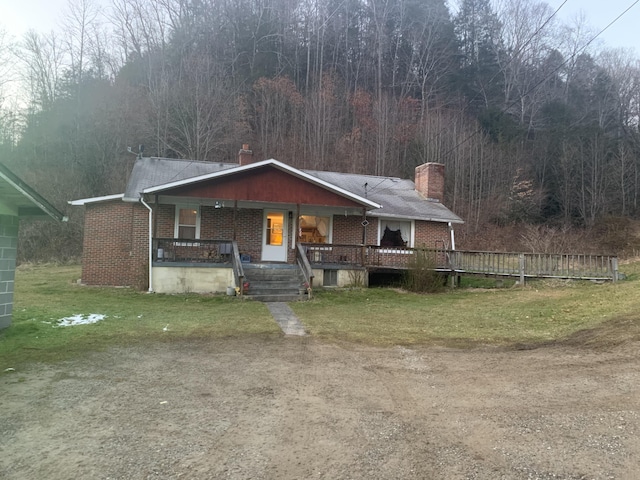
(429, 181)
(245, 156)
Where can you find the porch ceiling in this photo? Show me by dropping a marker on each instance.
(307, 209)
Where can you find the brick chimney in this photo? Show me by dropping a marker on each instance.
(245, 156)
(430, 181)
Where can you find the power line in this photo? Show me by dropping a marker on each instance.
(544, 79)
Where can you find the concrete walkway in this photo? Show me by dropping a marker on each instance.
(284, 316)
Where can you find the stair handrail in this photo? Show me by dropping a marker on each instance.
(238, 271)
(305, 267)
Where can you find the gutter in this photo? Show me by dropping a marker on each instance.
(150, 243)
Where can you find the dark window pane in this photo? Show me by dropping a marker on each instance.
(187, 232)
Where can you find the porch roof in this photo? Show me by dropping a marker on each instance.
(301, 174)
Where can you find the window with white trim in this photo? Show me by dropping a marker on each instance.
(187, 224)
(395, 233)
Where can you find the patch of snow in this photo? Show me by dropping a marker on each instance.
(80, 319)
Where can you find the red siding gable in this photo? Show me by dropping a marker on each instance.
(266, 184)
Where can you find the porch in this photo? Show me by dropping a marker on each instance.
(354, 262)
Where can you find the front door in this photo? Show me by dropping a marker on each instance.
(274, 236)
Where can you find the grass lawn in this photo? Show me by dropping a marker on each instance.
(47, 293)
(544, 311)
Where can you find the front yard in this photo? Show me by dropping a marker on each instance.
(203, 387)
(542, 312)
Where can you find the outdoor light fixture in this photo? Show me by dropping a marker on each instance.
(218, 205)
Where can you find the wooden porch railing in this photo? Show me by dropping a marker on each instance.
(520, 265)
(305, 267)
(192, 251)
(238, 270)
(335, 254)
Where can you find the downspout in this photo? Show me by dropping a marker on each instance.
(150, 243)
(453, 238)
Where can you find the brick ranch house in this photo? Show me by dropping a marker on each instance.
(192, 226)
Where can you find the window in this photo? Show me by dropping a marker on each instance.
(314, 229)
(395, 233)
(330, 278)
(187, 222)
(275, 220)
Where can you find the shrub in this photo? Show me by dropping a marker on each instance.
(421, 277)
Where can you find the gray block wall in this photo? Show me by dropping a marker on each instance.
(8, 250)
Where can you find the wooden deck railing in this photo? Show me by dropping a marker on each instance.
(238, 270)
(520, 265)
(305, 267)
(192, 251)
(540, 265)
(334, 253)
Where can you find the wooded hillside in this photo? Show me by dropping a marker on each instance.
(536, 122)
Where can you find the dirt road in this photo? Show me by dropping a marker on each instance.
(297, 408)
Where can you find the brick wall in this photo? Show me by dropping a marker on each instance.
(431, 234)
(115, 245)
(249, 234)
(348, 230)
(164, 217)
(218, 224)
(8, 248)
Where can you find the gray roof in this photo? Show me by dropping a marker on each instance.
(149, 172)
(397, 196)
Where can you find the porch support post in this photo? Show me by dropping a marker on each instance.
(235, 219)
(364, 237)
(295, 228)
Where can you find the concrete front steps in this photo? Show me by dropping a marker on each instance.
(273, 282)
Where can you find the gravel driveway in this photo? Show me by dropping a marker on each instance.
(297, 408)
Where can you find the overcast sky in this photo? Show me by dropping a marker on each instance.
(599, 13)
(18, 16)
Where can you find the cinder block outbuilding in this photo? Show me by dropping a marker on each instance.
(17, 201)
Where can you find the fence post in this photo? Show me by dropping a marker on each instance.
(521, 266)
(614, 268)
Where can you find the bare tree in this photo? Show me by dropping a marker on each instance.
(79, 24)
(43, 58)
